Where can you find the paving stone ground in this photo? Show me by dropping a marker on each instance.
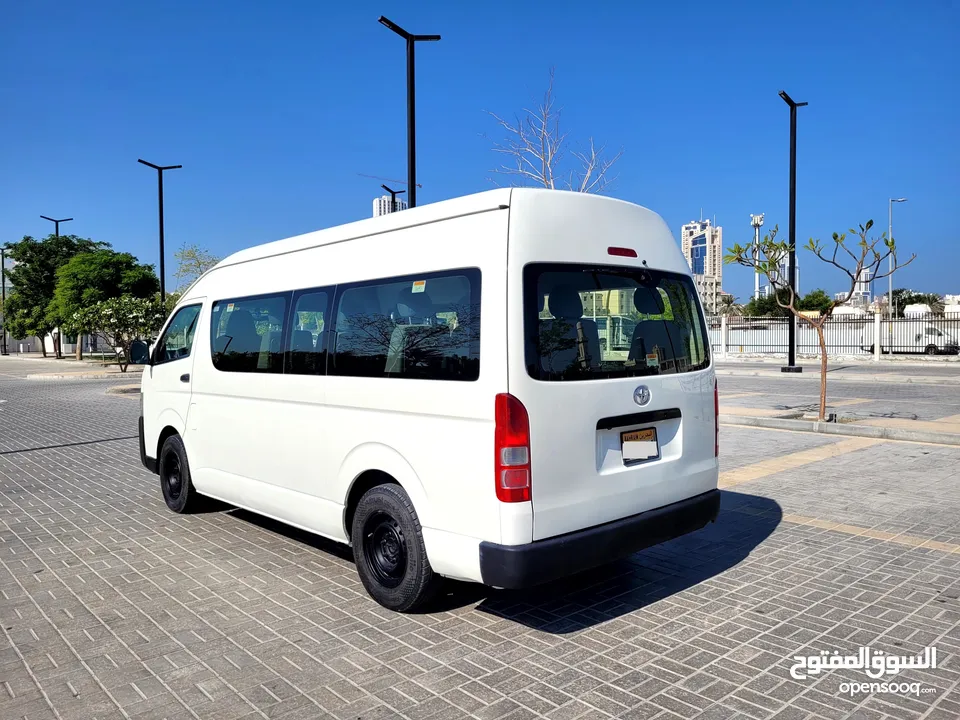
(112, 607)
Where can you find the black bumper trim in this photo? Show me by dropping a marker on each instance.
(519, 566)
(148, 462)
(640, 418)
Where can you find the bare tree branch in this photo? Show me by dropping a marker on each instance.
(537, 148)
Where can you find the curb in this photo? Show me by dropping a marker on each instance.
(853, 377)
(81, 376)
(124, 390)
(853, 430)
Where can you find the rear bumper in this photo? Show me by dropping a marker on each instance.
(519, 566)
(148, 462)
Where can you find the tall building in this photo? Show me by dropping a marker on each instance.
(382, 205)
(702, 245)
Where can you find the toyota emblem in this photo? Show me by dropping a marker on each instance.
(641, 396)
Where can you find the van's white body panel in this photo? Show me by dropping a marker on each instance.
(291, 446)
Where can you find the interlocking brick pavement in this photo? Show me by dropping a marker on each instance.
(110, 606)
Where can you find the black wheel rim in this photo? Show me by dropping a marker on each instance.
(172, 475)
(384, 549)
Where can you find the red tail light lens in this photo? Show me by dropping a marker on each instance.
(622, 252)
(512, 447)
(716, 418)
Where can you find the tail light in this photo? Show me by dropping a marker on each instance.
(512, 445)
(716, 419)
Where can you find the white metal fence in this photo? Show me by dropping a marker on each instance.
(844, 335)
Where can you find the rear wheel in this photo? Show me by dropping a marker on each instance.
(389, 550)
(175, 482)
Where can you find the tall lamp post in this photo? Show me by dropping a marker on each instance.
(3, 296)
(891, 308)
(757, 222)
(56, 223)
(393, 197)
(160, 169)
(792, 264)
(411, 109)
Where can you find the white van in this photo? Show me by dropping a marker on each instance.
(432, 388)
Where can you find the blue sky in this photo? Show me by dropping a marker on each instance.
(274, 108)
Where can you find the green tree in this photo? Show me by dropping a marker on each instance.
(816, 300)
(120, 321)
(89, 277)
(34, 279)
(192, 262)
(767, 306)
(903, 297)
(863, 257)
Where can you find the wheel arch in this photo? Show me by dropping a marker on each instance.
(372, 464)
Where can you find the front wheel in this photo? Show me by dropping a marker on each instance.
(932, 350)
(175, 482)
(389, 550)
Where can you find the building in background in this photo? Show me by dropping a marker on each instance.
(702, 245)
(862, 295)
(384, 205)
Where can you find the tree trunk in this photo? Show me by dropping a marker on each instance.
(79, 346)
(43, 344)
(823, 373)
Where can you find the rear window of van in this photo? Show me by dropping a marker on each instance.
(587, 322)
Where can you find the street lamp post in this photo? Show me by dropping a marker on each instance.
(792, 264)
(891, 310)
(160, 169)
(757, 222)
(411, 109)
(3, 296)
(56, 223)
(393, 197)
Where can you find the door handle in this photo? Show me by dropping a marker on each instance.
(185, 377)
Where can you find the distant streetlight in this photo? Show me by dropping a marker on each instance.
(56, 223)
(757, 222)
(160, 169)
(891, 306)
(3, 296)
(411, 109)
(792, 264)
(393, 197)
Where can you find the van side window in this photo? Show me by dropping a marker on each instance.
(425, 327)
(246, 334)
(177, 340)
(306, 346)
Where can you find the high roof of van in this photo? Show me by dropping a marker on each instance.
(466, 205)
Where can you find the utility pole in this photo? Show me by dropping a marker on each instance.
(792, 265)
(891, 307)
(393, 197)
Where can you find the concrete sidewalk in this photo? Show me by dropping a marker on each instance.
(891, 418)
(133, 371)
(901, 373)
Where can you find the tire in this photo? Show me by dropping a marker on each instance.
(175, 483)
(389, 551)
(932, 350)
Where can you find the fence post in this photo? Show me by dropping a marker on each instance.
(723, 337)
(876, 336)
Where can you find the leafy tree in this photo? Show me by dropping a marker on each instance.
(89, 277)
(192, 262)
(903, 297)
(816, 300)
(120, 321)
(767, 306)
(866, 255)
(34, 279)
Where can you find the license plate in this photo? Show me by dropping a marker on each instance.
(639, 445)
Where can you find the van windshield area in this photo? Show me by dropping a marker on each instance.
(588, 322)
